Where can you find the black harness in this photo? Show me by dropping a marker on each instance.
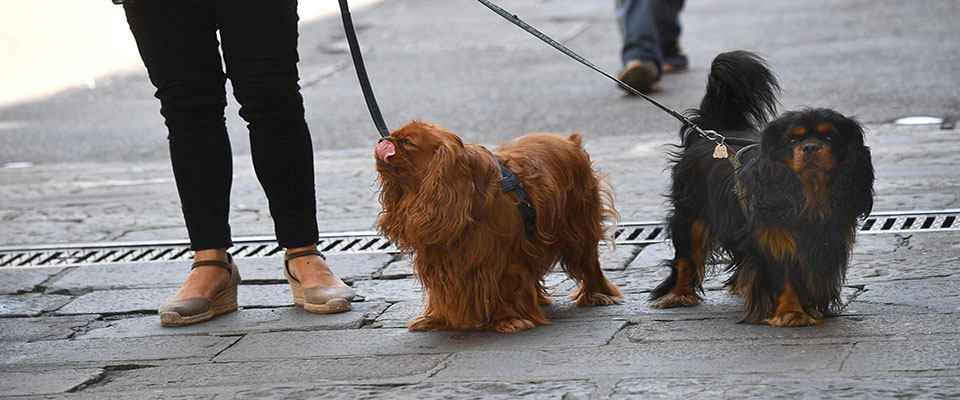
(510, 183)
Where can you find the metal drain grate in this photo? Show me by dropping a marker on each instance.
(631, 233)
(642, 233)
(105, 253)
(911, 221)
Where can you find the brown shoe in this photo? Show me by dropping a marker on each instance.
(319, 299)
(641, 75)
(199, 309)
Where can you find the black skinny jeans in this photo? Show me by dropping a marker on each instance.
(178, 43)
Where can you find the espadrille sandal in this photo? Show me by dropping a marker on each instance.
(199, 309)
(319, 299)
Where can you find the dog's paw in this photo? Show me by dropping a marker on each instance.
(597, 299)
(672, 300)
(815, 314)
(425, 323)
(511, 325)
(791, 319)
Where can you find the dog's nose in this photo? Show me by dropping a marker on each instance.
(810, 148)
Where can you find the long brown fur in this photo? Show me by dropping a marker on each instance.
(442, 203)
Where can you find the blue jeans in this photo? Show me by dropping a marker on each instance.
(178, 43)
(647, 27)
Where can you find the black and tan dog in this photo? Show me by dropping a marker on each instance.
(786, 216)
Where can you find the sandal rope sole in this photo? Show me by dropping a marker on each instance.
(224, 302)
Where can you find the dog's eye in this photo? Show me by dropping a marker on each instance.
(407, 142)
(793, 140)
(828, 138)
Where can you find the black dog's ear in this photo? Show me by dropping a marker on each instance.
(772, 136)
(773, 191)
(770, 184)
(851, 187)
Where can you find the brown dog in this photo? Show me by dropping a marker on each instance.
(481, 262)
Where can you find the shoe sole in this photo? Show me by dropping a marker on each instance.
(331, 307)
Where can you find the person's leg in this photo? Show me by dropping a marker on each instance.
(668, 24)
(260, 51)
(640, 54)
(638, 29)
(177, 41)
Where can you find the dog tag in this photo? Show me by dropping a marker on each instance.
(720, 151)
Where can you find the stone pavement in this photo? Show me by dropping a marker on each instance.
(91, 331)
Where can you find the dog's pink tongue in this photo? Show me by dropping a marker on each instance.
(384, 150)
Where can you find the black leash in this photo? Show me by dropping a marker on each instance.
(719, 152)
(361, 70)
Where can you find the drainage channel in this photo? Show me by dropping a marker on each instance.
(630, 233)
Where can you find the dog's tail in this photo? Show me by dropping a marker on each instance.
(741, 94)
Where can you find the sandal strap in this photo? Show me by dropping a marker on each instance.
(304, 253)
(288, 257)
(217, 263)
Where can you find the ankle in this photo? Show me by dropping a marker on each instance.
(294, 250)
(211, 254)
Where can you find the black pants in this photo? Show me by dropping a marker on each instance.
(178, 43)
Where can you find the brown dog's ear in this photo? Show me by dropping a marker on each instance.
(446, 195)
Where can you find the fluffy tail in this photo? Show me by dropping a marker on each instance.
(741, 93)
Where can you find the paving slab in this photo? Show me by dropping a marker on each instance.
(890, 387)
(276, 295)
(662, 359)
(30, 304)
(43, 328)
(122, 301)
(393, 369)
(262, 346)
(909, 354)
(895, 257)
(399, 314)
(22, 280)
(134, 275)
(389, 290)
(467, 390)
(36, 383)
(113, 350)
(242, 322)
(844, 328)
(929, 295)
(400, 268)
